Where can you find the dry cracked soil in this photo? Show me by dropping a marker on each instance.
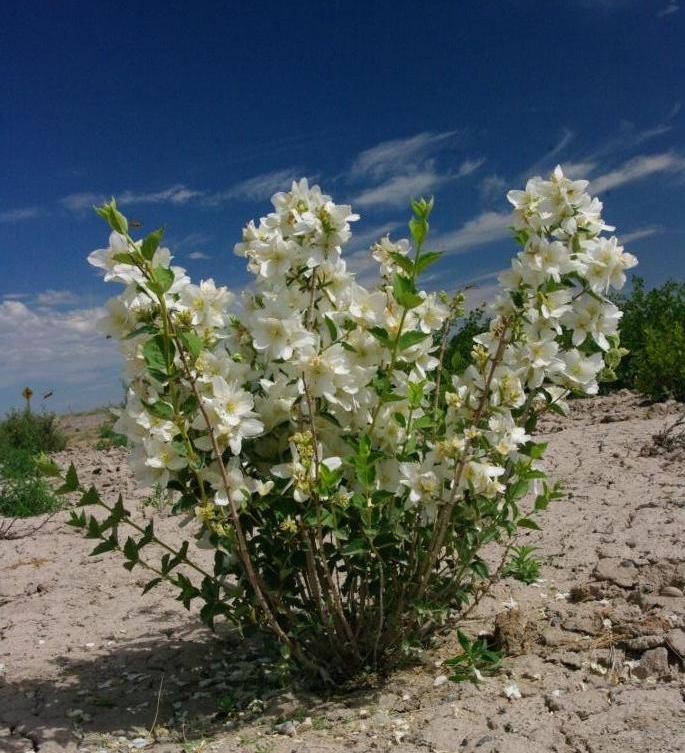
(594, 649)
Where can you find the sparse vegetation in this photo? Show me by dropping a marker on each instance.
(109, 438)
(22, 490)
(23, 435)
(477, 659)
(523, 565)
(34, 432)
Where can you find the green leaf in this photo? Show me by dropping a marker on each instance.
(407, 339)
(115, 219)
(380, 334)
(418, 227)
(108, 545)
(405, 293)
(131, 550)
(151, 584)
(124, 258)
(160, 410)
(47, 467)
(425, 260)
(155, 352)
(403, 261)
(70, 482)
(163, 279)
(192, 342)
(332, 329)
(151, 243)
(528, 523)
(91, 497)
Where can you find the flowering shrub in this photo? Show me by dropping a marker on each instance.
(345, 474)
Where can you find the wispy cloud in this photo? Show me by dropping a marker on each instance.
(389, 157)
(19, 215)
(177, 195)
(56, 298)
(79, 202)
(469, 166)
(484, 228)
(640, 233)
(492, 187)
(638, 168)
(668, 10)
(400, 189)
(198, 255)
(258, 188)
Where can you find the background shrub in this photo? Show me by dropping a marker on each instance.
(35, 432)
(22, 490)
(24, 435)
(653, 331)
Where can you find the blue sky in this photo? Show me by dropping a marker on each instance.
(193, 114)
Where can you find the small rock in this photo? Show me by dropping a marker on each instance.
(553, 702)
(306, 723)
(364, 713)
(512, 692)
(440, 680)
(653, 663)
(614, 571)
(570, 660)
(286, 728)
(675, 641)
(644, 642)
(671, 591)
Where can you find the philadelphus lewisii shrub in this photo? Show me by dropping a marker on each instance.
(347, 478)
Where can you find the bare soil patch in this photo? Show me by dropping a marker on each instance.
(595, 648)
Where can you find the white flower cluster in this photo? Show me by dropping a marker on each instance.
(314, 362)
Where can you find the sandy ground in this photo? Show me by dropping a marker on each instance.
(595, 647)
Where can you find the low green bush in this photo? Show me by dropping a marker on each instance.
(35, 432)
(23, 492)
(653, 331)
(110, 438)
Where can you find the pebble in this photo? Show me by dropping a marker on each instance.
(440, 680)
(653, 663)
(286, 728)
(671, 591)
(512, 692)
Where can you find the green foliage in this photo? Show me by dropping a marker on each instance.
(34, 432)
(653, 331)
(523, 565)
(110, 438)
(476, 659)
(22, 490)
(458, 353)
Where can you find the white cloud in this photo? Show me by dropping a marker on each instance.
(391, 157)
(469, 166)
(78, 202)
(19, 215)
(57, 347)
(400, 189)
(56, 298)
(640, 233)
(178, 194)
(666, 11)
(492, 187)
(484, 228)
(638, 168)
(579, 170)
(259, 188)
(198, 255)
